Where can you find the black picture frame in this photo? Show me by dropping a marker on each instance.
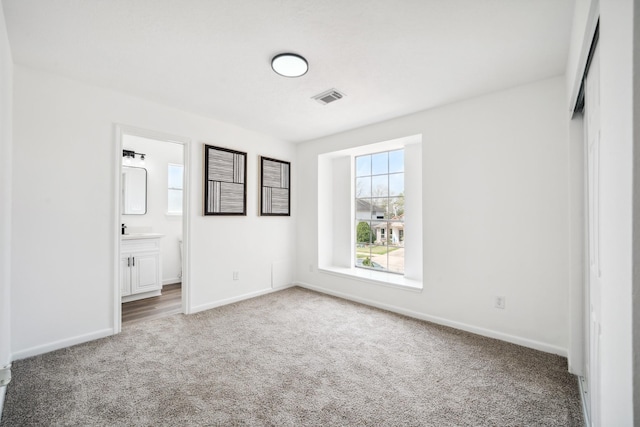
(225, 181)
(275, 187)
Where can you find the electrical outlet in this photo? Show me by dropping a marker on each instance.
(235, 275)
(499, 302)
(310, 268)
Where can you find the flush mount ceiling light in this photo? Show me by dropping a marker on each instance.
(289, 65)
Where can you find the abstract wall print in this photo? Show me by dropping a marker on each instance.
(225, 183)
(275, 184)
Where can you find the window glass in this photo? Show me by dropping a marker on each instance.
(396, 161)
(379, 208)
(175, 176)
(379, 163)
(379, 220)
(363, 166)
(396, 184)
(380, 186)
(363, 209)
(175, 184)
(363, 187)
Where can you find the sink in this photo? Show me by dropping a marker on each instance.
(141, 236)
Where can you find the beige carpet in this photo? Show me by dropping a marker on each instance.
(292, 358)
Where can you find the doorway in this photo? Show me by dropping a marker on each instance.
(152, 200)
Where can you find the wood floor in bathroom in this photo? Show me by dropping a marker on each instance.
(167, 304)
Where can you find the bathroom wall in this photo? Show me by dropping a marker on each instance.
(158, 155)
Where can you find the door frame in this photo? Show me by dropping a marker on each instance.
(119, 131)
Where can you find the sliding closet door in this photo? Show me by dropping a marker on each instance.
(592, 132)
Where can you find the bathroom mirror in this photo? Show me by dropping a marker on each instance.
(134, 190)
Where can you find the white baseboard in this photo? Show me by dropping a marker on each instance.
(525, 342)
(220, 303)
(56, 345)
(171, 281)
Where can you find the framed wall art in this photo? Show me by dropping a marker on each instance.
(275, 187)
(225, 181)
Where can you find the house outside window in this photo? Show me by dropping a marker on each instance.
(174, 189)
(379, 201)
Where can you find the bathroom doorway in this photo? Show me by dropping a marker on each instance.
(152, 173)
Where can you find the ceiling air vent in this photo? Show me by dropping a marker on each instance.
(328, 96)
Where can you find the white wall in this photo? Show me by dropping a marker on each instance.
(495, 214)
(63, 211)
(6, 112)
(339, 204)
(158, 155)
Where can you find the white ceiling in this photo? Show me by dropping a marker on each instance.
(212, 57)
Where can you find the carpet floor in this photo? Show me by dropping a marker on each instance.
(292, 358)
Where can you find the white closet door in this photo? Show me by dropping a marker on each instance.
(592, 132)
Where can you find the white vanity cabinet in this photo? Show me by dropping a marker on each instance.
(140, 266)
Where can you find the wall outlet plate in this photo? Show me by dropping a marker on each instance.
(499, 302)
(236, 275)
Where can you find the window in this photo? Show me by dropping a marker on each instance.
(174, 189)
(379, 218)
(341, 215)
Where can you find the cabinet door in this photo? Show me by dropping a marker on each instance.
(125, 276)
(145, 272)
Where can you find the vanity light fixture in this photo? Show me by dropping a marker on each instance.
(129, 156)
(289, 65)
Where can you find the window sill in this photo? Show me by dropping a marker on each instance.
(376, 277)
(173, 213)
